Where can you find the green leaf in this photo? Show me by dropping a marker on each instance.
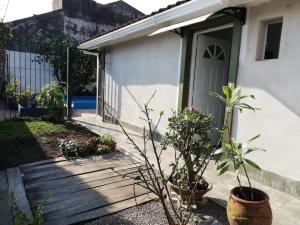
(253, 164)
(161, 113)
(254, 138)
(222, 170)
(216, 95)
(224, 163)
(237, 166)
(254, 150)
(220, 151)
(227, 92)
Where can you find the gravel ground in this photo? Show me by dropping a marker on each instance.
(151, 213)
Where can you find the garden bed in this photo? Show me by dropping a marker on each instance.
(24, 141)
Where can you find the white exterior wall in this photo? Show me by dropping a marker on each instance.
(275, 84)
(136, 69)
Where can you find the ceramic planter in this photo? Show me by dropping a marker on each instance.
(187, 194)
(243, 212)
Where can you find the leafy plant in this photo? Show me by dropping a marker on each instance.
(232, 152)
(82, 67)
(69, 148)
(188, 132)
(152, 175)
(12, 88)
(51, 97)
(27, 93)
(5, 36)
(20, 218)
(107, 140)
(96, 145)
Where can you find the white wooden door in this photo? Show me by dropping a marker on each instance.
(209, 74)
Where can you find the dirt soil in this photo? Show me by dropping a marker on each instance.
(36, 147)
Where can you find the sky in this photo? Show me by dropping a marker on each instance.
(18, 9)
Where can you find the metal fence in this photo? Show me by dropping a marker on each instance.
(26, 67)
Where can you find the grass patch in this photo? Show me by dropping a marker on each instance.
(10, 129)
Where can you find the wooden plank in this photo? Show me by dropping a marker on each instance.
(69, 199)
(70, 168)
(80, 161)
(104, 198)
(76, 188)
(66, 196)
(100, 212)
(42, 162)
(5, 207)
(82, 178)
(15, 184)
(62, 161)
(74, 171)
(63, 185)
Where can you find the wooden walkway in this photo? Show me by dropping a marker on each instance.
(78, 191)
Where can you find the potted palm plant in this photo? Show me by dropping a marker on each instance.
(188, 132)
(52, 98)
(247, 205)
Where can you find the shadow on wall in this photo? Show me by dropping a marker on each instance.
(141, 67)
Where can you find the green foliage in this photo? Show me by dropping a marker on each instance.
(96, 145)
(5, 35)
(188, 131)
(12, 88)
(237, 157)
(232, 152)
(11, 129)
(51, 97)
(107, 140)
(82, 67)
(20, 217)
(69, 148)
(27, 93)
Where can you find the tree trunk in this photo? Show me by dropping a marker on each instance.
(189, 165)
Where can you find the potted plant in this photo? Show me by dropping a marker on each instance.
(52, 98)
(11, 90)
(246, 205)
(24, 97)
(188, 132)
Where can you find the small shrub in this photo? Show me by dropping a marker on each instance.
(20, 217)
(107, 140)
(69, 148)
(96, 145)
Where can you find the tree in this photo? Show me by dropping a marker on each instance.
(54, 52)
(4, 38)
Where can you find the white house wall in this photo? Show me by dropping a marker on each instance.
(275, 84)
(136, 69)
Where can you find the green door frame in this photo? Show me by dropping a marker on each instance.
(187, 46)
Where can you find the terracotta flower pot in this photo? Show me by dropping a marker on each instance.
(243, 212)
(186, 194)
(23, 101)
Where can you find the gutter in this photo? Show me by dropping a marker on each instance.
(182, 13)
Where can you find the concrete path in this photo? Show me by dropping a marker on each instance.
(286, 209)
